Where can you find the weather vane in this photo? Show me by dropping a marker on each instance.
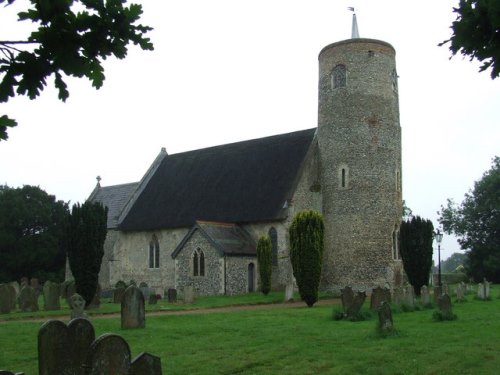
(355, 30)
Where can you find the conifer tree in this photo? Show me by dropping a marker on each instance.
(417, 235)
(306, 253)
(86, 234)
(265, 260)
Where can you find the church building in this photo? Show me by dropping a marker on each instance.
(195, 217)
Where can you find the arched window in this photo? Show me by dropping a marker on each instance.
(395, 244)
(273, 236)
(198, 263)
(154, 253)
(339, 76)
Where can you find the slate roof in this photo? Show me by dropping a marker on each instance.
(240, 182)
(228, 239)
(114, 197)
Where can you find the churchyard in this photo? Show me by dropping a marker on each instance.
(291, 340)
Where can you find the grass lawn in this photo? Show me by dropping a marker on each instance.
(296, 340)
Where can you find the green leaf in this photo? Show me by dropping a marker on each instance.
(6, 122)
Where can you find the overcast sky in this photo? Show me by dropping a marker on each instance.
(231, 70)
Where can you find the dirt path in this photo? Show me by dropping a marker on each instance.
(213, 310)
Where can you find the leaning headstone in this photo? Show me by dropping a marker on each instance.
(132, 308)
(146, 364)
(289, 292)
(63, 349)
(118, 295)
(353, 310)
(385, 323)
(51, 296)
(425, 298)
(188, 294)
(378, 296)
(5, 299)
(444, 305)
(77, 304)
(347, 297)
(109, 354)
(172, 295)
(28, 299)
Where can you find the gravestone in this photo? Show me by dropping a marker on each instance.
(444, 304)
(425, 298)
(34, 283)
(153, 299)
(146, 292)
(188, 294)
(378, 296)
(16, 286)
(385, 322)
(486, 286)
(28, 299)
(437, 294)
(63, 349)
(5, 299)
(109, 354)
(107, 293)
(69, 291)
(481, 291)
(347, 297)
(4, 372)
(146, 364)
(356, 304)
(132, 308)
(289, 292)
(96, 300)
(77, 304)
(409, 296)
(172, 295)
(51, 296)
(459, 290)
(398, 296)
(24, 282)
(118, 295)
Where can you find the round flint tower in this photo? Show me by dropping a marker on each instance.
(359, 138)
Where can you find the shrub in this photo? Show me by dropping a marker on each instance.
(306, 253)
(265, 259)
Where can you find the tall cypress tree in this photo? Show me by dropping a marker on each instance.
(417, 235)
(265, 260)
(86, 234)
(306, 253)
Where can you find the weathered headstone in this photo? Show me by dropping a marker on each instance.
(347, 297)
(425, 298)
(118, 295)
(153, 299)
(63, 349)
(146, 364)
(437, 293)
(353, 310)
(69, 291)
(107, 293)
(398, 297)
(409, 296)
(385, 323)
(289, 292)
(146, 292)
(459, 290)
(24, 282)
(4, 372)
(77, 304)
(51, 296)
(16, 286)
(188, 294)
(444, 305)
(486, 286)
(481, 291)
(34, 283)
(28, 299)
(132, 308)
(172, 295)
(5, 298)
(109, 354)
(378, 296)
(96, 300)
